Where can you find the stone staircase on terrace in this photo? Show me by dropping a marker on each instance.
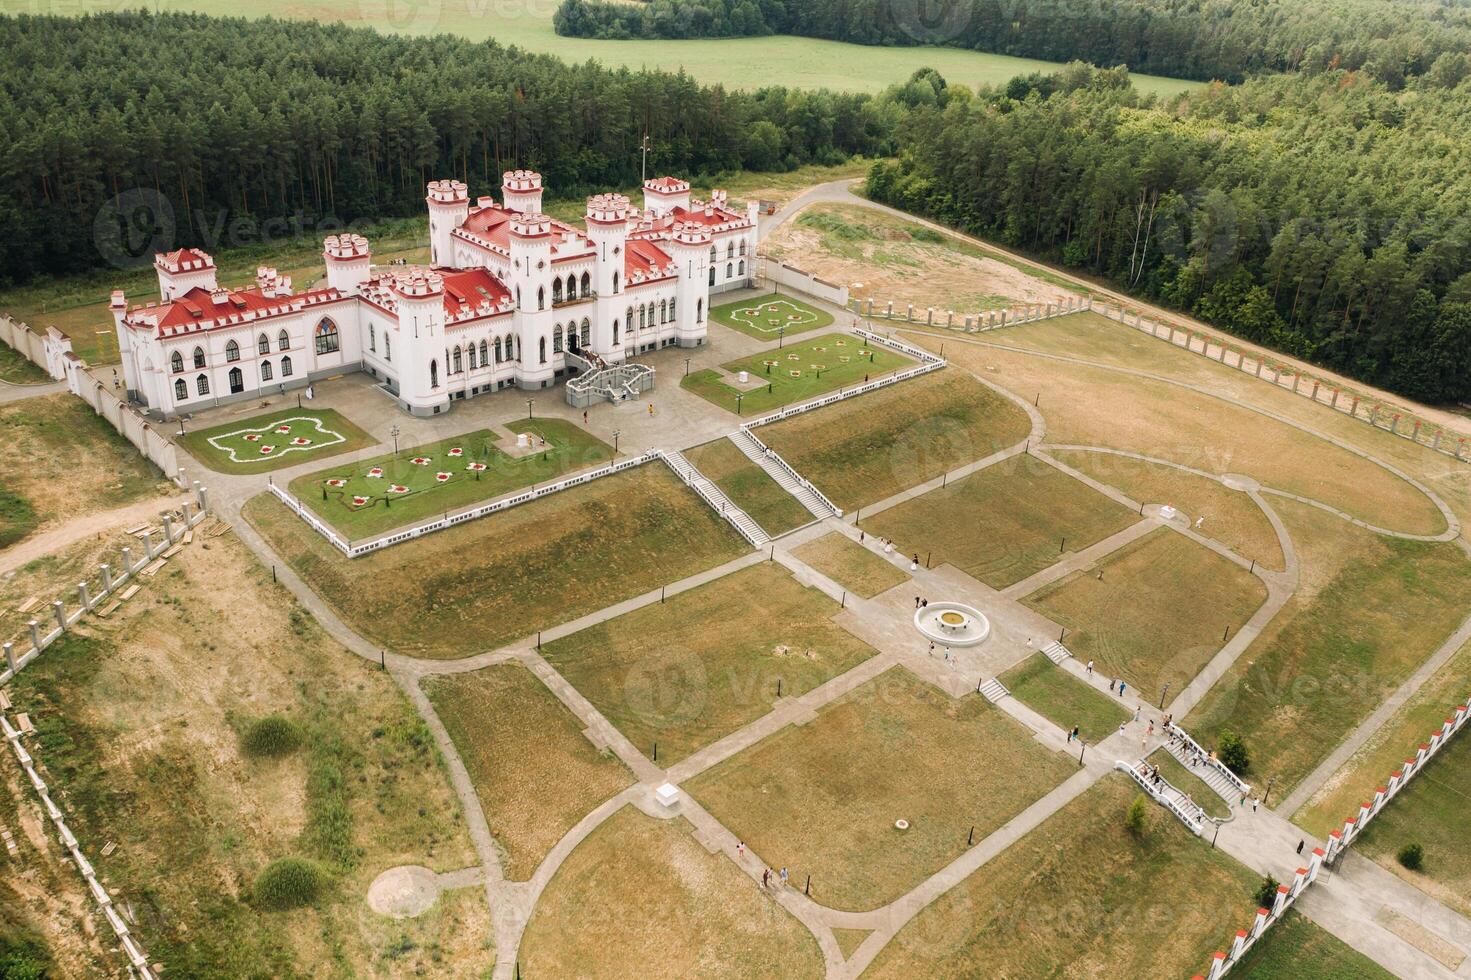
(815, 505)
(716, 498)
(994, 690)
(1056, 652)
(1207, 772)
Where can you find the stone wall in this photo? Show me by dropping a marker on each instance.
(805, 282)
(43, 350)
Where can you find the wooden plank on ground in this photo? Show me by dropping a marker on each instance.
(23, 722)
(109, 609)
(152, 570)
(28, 605)
(132, 590)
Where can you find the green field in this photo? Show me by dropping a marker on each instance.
(258, 444)
(796, 62)
(796, 372)
(771, 317)
(375, 495)
(1063, 699)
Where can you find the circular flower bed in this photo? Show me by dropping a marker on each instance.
(795, 374)
(457, 451)
(336, 484)
(359, 501)
(441, 477)
(283, 429)
(420, 460)
(299, 441)
(398, 488)
(375, 473)
(252, 437)
(267, 450)
(475, 467)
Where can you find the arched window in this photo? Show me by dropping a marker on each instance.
(712, 275)
(434, 374)
(542, 348)
(232, 351)
(699, 311)
(729, 270)
(571, 286)
(201, 385)
(459, 364)
(265, 370)
(741, 267)
(615, 282)
(177, 362)
(615, 331)
(730, 249)
(372, 338)
(470, 355)
(743, 246)
(327, 339)
(541, 297)
(643, 318)
(237, 381)
(263, 344)
(283, 342)
(286, 365)
(586, 331)
(671, 310)
(628, 317)
(556, 290)
(497, 350)
(586, 284)
(199, 357)
(714, 256)
(557, 339)
(181, 390)
(663, 311)
(485, 350)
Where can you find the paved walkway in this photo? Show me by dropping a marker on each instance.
(64, 535)
(10, 392)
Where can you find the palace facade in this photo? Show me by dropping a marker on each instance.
(510, 298)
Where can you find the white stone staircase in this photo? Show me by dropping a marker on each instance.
(1056, 652)
(716, 498)
(994, 690)
(1207, 772)
(755, 452)
(1167, 795)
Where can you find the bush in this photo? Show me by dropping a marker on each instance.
(1232, 752)
(1266, 892)
(1134, 818)
(288, 883)
(1412, 856)
(270, 737)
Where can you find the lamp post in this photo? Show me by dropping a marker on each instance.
(1268, 792)
(1162, 694)
(781, 335)
(616, 434)
(529, 403)
(739, 396)
(394, 432)
(686, 367)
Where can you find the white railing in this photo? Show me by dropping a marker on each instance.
(1168, 795)
(697, 482)
(974, 323)
(1191, 745)
(802, 481)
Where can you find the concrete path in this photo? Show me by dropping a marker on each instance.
(62, 536)
(11, 392)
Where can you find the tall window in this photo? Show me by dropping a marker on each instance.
(542, 349)
(556, 290)
(743, 246)
(237, 381)
(615, 282)
(557, 340)
(671, 309)
(265, 370)
(181, 390)
(497, 350)
(615, 331)
(387, 346)
(458, 362)
(541, 297)
(484, 350)
(571, 286)
(201, 385)
(177, 362)
(434, 374)
(470, 354)
(199, 357)
(586, 331)
(283, 342)
(663, 311)
(263, 345)
(372, 338)
(232, 351)
(714, 255)
(643, 318)
(741, 267)
(699, 311)
(286, 366)
(586, 284)
(730, 249)
(327, 338)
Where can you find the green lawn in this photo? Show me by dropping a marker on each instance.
(861, 450)
(241, 446)
(487, 582)
(372, 496)
(1062, 699)
(689, 671)
(822, 798)
(770, 317)
(1296, 948)
(749, 487)
(1004, 523)
(1158, 614)
(18, 369)
(795, 373)
(851, 565)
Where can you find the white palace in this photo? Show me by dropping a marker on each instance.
(511, 297)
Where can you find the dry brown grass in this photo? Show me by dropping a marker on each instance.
(691, 670)
(640, 898)
(1004, 523)
(1368, 610)
(55, 576)
(749, 486)
(865, 449)
(1157, 615)
(1230, 516)
(490, 581)
(851, 565)
(138, 721)
(535, 772)
(822, 798)
(1080, 897)
(1102, 407)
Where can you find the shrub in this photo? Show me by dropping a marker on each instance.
(1232, 751)
(1266, 892)
(1134, 818)
(1412, 856)
(270, 737)
(288, 883)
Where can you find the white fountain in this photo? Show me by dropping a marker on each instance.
(952, 624)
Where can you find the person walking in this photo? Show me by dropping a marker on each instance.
(1121, 728)
(784, 877)
(584, 417)
(1136, 712)
(1090, 668)
(1121, 687)
(740, 848)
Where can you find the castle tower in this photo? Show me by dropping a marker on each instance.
(690, 248)
(663, 194)
(607, 228)
(521, 191)
(423, 378)
(182, 270)
(531, 284)
(449, 205)
(349, 262)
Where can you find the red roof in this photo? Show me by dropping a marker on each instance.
(199, 306)
(716, 216)
(638, 256)
(667, 184)
(182, 255)
(493, 224)
(465, 291)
